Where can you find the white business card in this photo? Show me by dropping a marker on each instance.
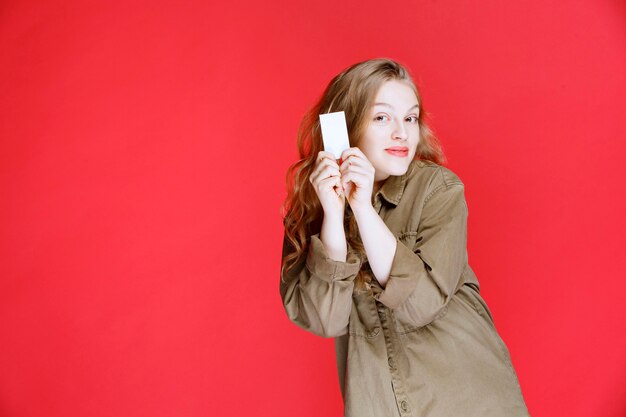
(334, 133)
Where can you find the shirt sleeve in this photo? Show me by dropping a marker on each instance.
(317, 291)
(425, 276)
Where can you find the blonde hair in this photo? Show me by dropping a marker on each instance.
(352, 91)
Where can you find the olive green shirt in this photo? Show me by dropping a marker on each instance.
(426, 344)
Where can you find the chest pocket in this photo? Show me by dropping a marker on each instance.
(364, 321)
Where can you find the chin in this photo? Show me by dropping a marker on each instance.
(398, 170)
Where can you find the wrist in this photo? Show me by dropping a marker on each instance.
(363, 211)
(333, 238)
(333, 218)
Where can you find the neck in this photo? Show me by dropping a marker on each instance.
(377, 186)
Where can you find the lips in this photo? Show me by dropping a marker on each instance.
(398, 151)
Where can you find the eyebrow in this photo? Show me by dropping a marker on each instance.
(391, 107)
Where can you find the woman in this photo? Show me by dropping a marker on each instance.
(374, 255)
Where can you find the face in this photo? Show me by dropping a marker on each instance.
(392, 131)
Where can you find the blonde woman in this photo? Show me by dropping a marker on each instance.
(375, 256)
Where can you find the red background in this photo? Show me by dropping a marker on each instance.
(142, 161)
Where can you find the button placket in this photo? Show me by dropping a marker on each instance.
(393, 348)
(404, 406)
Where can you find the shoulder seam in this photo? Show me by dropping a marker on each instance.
(440, 187)
(449, 179)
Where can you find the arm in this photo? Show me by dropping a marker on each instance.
(423, 278)
(358, 176)
(378, 241)
(317, 291)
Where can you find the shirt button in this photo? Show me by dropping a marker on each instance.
(374, 332)
(391, 362)
(404, 406)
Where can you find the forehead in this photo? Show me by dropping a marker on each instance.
(396, 93)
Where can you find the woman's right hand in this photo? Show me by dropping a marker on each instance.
(326, 181)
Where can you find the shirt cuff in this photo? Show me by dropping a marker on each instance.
(320, 265)
(402, 277)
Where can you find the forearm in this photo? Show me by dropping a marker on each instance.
(333, 237)
(317, 291)
(378, 241)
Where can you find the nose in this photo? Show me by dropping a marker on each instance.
(399, 131)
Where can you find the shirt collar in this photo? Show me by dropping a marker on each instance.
(393, 188)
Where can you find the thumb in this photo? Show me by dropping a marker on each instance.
(348, 188)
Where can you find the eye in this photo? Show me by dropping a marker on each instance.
(381, 118)
(411, 119)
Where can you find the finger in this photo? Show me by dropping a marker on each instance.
(324, 164)
(331, 183)
(354, 151)
(325, 155)
(347, 191)
(324, 161)
(350, 161)
(356, 159)
(360, 180)
(355, 168)
(327, 171)
(329, 161)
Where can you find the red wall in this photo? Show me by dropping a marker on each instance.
(143, 148)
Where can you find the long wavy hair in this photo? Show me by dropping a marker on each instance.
(352, 91)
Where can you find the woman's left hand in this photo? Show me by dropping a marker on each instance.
(357, 178)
